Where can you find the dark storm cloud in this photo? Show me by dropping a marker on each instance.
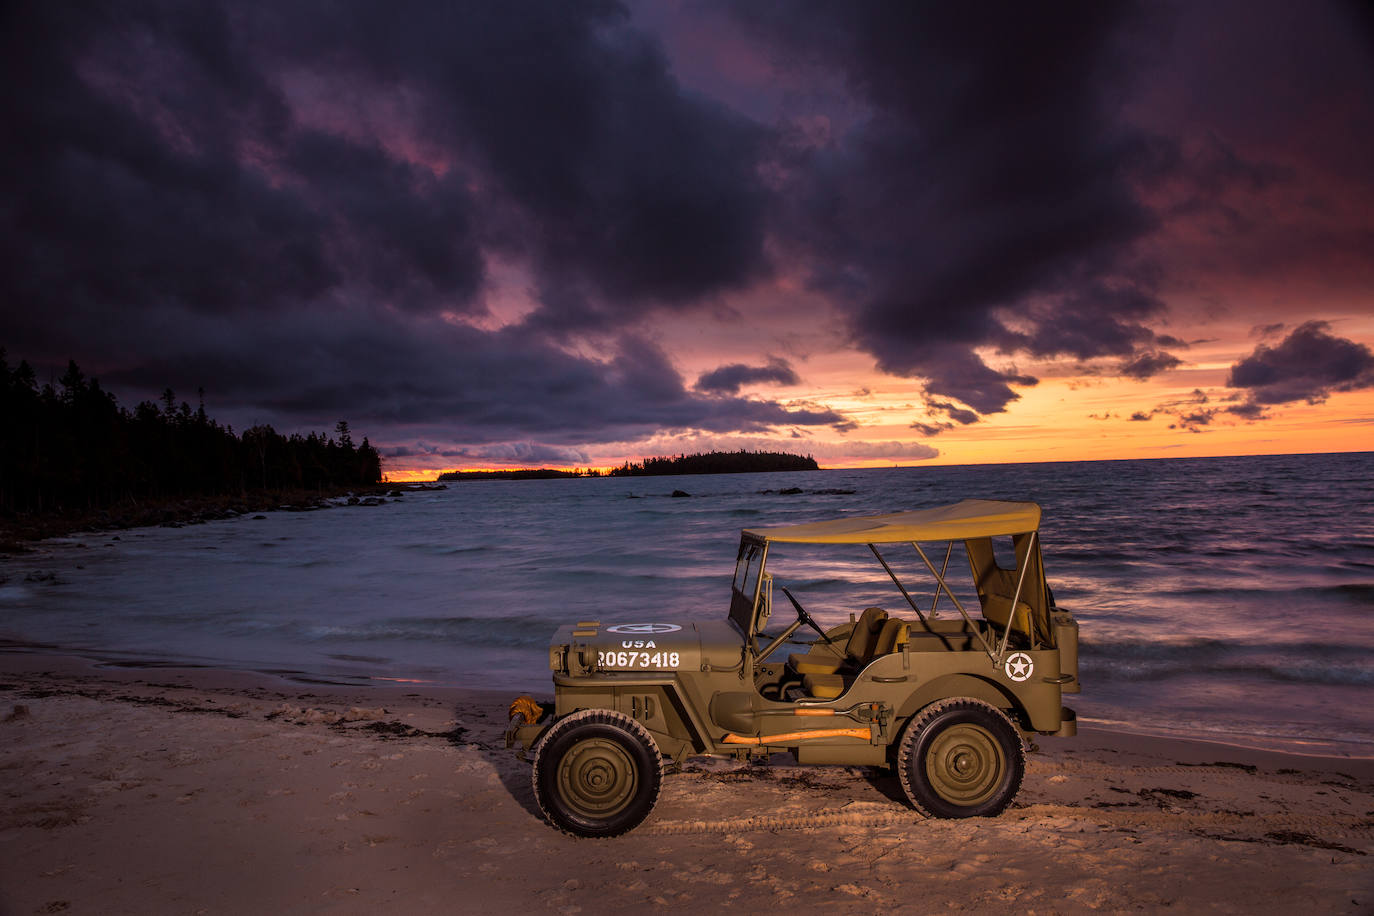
(406, 234)
(729, 379)
(501, 453)
(1308, 365)
(1149, 364)
(425, 378)
(616, 179)
(960, 372)
(169, 219)
(154, 165)
(987, 199)
(953, 411)
(311, 208)
(140, 128)
(523, 453)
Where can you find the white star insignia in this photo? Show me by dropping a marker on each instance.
(1019, 667)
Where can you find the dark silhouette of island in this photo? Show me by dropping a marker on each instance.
(741, 462)
(72, 450)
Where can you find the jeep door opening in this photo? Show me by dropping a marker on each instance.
(945, 692)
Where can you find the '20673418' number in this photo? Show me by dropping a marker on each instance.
(637, 659)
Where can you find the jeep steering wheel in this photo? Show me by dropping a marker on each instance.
(803, 616)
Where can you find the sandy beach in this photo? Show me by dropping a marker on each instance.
(131, 790)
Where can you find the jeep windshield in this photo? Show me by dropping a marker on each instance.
(745, 590)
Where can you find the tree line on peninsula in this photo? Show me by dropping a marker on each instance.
(741, 462)
(72, 448)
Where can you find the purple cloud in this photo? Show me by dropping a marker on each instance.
(729, 379)
(1307, 365)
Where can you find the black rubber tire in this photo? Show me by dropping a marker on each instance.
(597, 773)
(961, 758)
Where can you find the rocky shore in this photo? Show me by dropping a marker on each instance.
(17, 532)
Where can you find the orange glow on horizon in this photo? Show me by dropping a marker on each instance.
(1060, 419)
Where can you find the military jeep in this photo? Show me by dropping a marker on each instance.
(946, 692)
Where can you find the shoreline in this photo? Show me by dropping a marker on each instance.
(199, 789)
(112, 661)
(19, 534)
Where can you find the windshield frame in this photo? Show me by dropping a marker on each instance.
(748, 585)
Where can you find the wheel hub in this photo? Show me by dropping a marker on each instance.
(597, 777)
(964, 764)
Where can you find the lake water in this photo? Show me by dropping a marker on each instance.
(1228, 598)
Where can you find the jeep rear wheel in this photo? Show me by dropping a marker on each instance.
(597, 773)
(961, 758)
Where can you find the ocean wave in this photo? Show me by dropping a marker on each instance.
(447, 550)
(1295, 663)
(504, 632)
(1282, 595)
(467, 631)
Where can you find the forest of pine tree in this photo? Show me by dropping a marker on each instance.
(740, 462)
(72, 448)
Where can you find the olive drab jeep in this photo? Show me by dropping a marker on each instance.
(942, 688)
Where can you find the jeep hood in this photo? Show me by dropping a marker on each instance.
(644, 647)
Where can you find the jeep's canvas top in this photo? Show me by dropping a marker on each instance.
(970, 518)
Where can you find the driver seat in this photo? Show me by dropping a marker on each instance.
(894, 634)
(863, 640)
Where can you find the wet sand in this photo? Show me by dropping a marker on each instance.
(204, 791)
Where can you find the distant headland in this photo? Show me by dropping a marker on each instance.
(741, 462)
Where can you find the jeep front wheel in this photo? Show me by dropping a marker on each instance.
(961, 758)
(597, 773)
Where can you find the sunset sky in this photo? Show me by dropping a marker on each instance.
(571, 234)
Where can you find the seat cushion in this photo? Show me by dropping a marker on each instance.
(814, 664)
(823, 686)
